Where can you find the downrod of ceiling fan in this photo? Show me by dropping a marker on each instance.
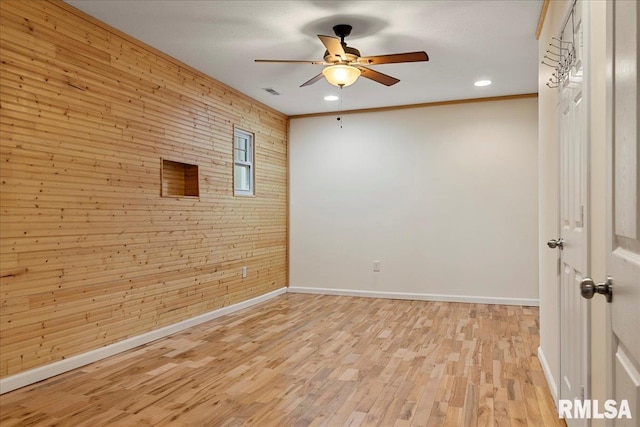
(342, 31)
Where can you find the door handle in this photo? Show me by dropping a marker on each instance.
(588, 288)
(553, 243)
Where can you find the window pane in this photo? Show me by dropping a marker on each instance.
(240, 148)
(241, 155)
(242, 177)
(241, 143)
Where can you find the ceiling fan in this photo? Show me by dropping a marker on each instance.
(345, 64)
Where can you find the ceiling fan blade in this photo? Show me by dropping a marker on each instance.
(313, 80)
(291, 61)
(377, 77)
(394, 58)
(334, 46)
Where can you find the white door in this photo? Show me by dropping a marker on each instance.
(574, 310)
(623, 199)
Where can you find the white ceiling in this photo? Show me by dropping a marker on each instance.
(465, 40)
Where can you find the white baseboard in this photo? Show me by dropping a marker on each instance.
(43, 372)
(415, 296)
(547, 374)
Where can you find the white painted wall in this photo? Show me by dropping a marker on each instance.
(445, 197)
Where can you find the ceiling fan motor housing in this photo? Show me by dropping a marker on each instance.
(352, 55)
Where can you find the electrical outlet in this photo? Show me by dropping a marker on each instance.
(244, 272)
(376, 266)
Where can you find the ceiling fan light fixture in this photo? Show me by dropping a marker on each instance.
(341, 75)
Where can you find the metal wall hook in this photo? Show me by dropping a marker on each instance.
(563, 55)
(560, 40)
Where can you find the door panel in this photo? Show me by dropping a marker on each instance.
(627, 380)
(623, 199)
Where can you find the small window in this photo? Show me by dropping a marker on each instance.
(243, 163)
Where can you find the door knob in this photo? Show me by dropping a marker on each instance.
(553, 243)
(588, 288)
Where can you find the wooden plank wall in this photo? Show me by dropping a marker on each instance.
(90, 252)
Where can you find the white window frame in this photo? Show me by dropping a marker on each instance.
(248, 163)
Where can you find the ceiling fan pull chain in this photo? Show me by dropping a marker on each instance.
(340, 115)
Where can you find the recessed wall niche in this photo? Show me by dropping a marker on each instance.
(179, 179)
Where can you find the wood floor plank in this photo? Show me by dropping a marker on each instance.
(311, 360)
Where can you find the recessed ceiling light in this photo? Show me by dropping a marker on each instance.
(331, 98)
(481, 83)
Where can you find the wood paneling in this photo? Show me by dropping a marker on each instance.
(311, 360)
(90, 252)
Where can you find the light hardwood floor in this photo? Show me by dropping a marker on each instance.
(303, 360)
